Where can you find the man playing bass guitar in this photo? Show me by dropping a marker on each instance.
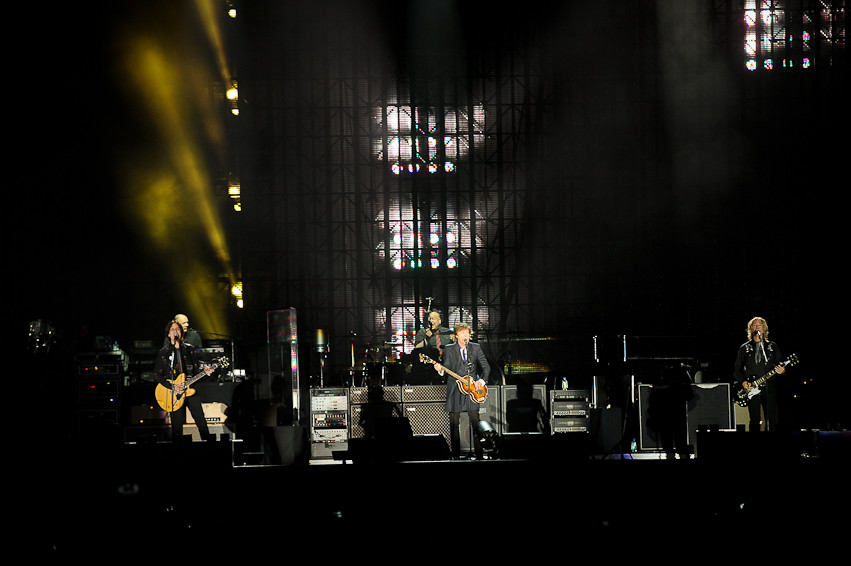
(756, 357)
(463, 358)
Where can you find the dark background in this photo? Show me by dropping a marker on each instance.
(694, 194)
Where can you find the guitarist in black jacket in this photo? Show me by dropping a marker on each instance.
(755, 358)
(175, 358)
(463, 358)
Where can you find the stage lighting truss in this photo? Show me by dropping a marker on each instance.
(426, 139)
(777, 37)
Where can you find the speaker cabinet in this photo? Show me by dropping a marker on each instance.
(427, 418)
(569, 411)
(523, 409)
(391, 394)
(423, 393)
(367, 417)
(709, 404)
(650, 434)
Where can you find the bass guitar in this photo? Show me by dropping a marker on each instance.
(171, 401)
(467, 385)
(743, 396)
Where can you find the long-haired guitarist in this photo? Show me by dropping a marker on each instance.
(755, 358)
(464, 358)
(174, 359)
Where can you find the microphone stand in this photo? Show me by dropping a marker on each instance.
(174, 374)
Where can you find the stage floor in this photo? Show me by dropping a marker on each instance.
(174, 500)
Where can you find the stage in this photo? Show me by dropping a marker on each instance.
(169, 500)
(606, 192)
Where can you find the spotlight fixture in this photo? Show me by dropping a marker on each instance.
(487, 435)
(236, 291)
(232, 94)
(235, 193)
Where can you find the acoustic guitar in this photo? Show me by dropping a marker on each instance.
(171, 401)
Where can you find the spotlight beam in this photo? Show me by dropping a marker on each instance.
(168, 187)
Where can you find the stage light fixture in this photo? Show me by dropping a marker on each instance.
(236, 291)
(235, 193)
(232, 94)
(487, 435)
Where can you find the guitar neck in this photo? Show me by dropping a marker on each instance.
(764, 378)
(446, 369)
(200, 375)
(453, 374)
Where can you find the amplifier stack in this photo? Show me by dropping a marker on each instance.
(341, 415)
(99, 380)
(570, 411)
(329, 421)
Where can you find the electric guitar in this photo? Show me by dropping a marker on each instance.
(467, 385)
(171, 401)
(743, 396)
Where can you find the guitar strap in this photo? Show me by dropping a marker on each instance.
(177, 362)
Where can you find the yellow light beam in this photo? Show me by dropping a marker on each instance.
(168, 187)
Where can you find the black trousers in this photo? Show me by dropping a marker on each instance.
(455, 432)
(767, 400)
(178, 418)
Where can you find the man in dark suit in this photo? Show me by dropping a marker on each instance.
(463, 357)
